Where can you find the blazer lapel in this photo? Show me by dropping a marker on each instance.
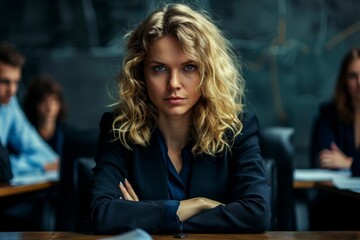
(150, 172)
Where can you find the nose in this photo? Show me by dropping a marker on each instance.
(174, 80)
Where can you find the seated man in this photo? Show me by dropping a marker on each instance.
(34, 154)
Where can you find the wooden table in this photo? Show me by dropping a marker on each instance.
(311, 184)
(267, 236)
(9, 190)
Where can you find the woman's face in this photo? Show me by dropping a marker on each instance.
(49, 108)
(353, 80)
(171, 78)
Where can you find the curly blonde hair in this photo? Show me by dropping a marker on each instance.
(222, 86)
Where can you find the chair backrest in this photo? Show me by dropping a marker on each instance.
(82, 185)
(78, 144)
(276, 143)
(271, 173)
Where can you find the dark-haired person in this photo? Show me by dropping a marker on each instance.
(45, 108)
(34, 154)
(336, 136)
(336, 145)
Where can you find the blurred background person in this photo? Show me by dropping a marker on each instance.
(45, 108)
(335, 144)
(336, 132)
(33, 155)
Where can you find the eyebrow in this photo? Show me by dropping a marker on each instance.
(184, 63)
(7, 81)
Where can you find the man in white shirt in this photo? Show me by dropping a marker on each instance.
(34, 155)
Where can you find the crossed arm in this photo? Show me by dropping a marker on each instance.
(187, 208)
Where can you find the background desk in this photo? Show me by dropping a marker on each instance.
(267, 236)
(9, 190)
(28, 207)
(311, 185)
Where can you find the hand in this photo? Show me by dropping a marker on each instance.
(334, 158)
(54, 166)
(193, 206)
(127, 191)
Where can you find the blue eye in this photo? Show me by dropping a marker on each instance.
(190, 67)
(159, 68)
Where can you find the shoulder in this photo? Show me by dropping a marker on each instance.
(106, 121)
(13, 105)
(107, 117)
(328, 114)
(250, 124)
(249, 119)
(14, 112)
(250, 129)
(327, 109)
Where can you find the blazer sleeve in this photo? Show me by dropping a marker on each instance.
(249, 209)
(109, 213)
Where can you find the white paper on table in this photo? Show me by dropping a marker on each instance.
(320, 174)
(50, 176)
(136, 234)
(352, 183)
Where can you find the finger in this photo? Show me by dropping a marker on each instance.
(125, 192)
(327, 154)
(325, 162)
(131, 190)
(324, 165)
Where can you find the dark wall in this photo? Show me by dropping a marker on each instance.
(290, 50)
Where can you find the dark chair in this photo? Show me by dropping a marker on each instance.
(276, 144)
(78, 144)
(82, 185)
(271, 173)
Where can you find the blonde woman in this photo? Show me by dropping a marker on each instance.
(179, 153)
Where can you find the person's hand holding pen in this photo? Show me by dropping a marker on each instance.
(334, 158)
(187, 208)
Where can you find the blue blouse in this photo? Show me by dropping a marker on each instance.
(178, 184)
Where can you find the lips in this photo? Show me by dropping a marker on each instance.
(174, 100)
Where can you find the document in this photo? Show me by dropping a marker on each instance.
(136, 234)
(319, 174)
(50, 176)
(341, 179)
(352, 184)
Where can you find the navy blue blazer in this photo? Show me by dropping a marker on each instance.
(237, 179)
(329, 128)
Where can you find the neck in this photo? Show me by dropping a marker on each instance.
(176, 132)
